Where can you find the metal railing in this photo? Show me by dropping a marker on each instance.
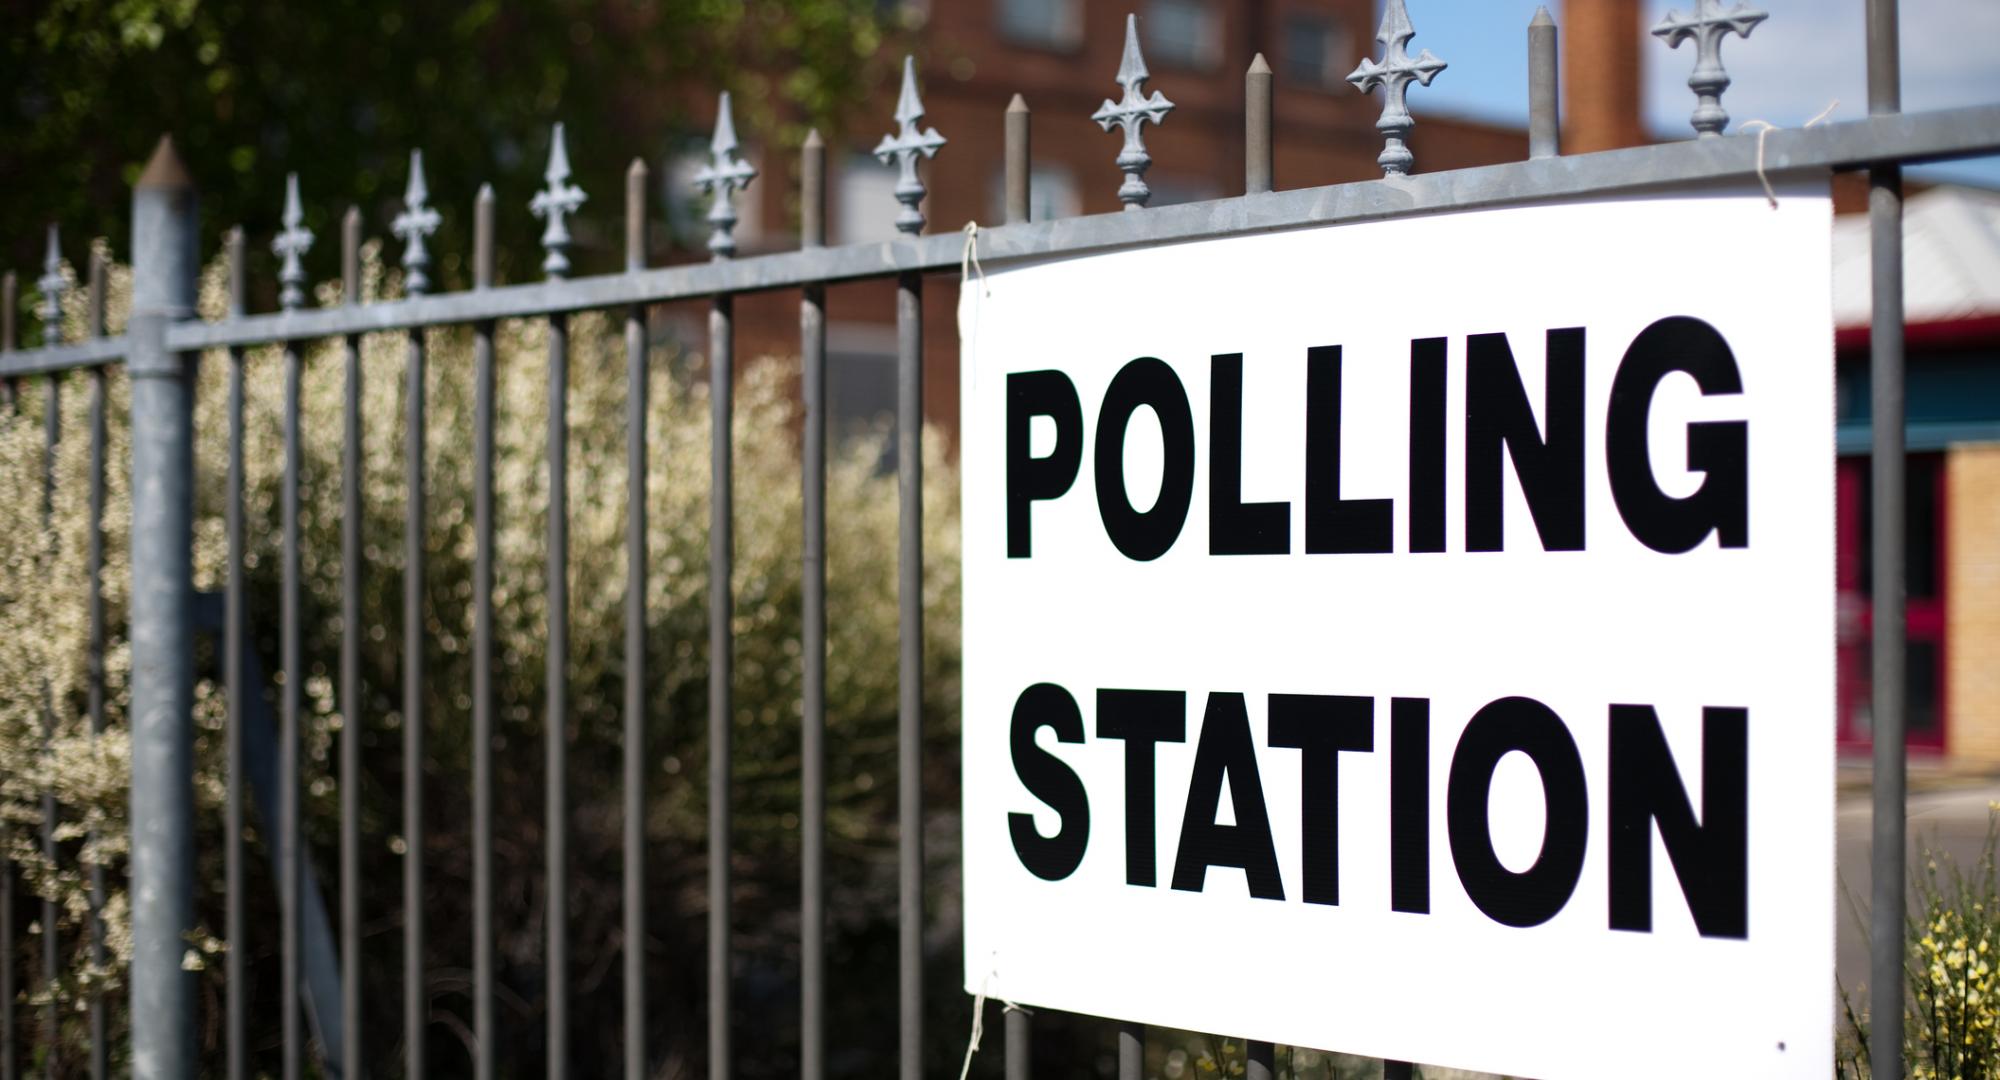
(161, 340)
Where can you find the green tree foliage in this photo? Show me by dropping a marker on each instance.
(341, 91)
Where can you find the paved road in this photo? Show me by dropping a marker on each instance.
(1948, 819)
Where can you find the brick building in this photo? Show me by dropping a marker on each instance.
(1952, 305)
(1061, 55)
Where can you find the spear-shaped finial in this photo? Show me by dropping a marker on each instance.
(1708, 26)
(1395, 74)
(910, 142)
(416, 222)
(53, 285)
(556, 202)
(723, 176)
(1132, 112)
(291, 245)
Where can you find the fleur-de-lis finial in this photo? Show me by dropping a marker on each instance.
(1394, 75)
(723, 176)
(911, 141)
(1132, 112)
(1708, 26)
(291, 245)
(53, 285)
(556, 202)
(416, 222)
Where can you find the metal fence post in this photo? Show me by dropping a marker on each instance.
(1544, 107)
(636, 373)
(7, 1032)
(812, 615)
(164, 237)
(1888, 690)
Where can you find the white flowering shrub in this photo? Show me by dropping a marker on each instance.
(1951, 959)
(44, 658)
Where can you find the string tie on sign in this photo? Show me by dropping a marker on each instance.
(979, 1008)
(1765, 127)
(968, 260)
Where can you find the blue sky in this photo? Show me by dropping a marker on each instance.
(1809, 54)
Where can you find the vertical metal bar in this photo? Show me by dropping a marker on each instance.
(555, 727)
(7, 1048)
(1019, 155)
(1885, 218)
(1544, 105)
(1262, 1064)
(291, 855)
(236, 686)
(94, 326)
(1020, 1045)
(351, 704)
(635, 634)
(51, 934)
(484, 1032)
(721, 669)
(1257, 127)
(1131, 1051)
(416, 999)
(164, 229)
(812, 734)
(910, 669)
(8, 301)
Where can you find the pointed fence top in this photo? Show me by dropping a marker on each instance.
(723, 176)
(1394, 74)
(911, 142)
(291, 245)
(1542, 17)
(555, 203)
(416, 222)
(1132, 112)
(164, 169)
(1132, 65)
(52, 284)
(1708, 26)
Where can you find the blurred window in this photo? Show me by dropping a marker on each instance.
(865, 206)
(1052, 194)
(1183, 32)
(1053, 24)
(1311, 50)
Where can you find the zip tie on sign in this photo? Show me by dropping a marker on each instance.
(968, 260)
(1765, 127)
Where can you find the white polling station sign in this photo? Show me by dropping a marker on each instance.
(1414, 638)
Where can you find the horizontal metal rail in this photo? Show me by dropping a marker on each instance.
(1905, 138)
(81, 354)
